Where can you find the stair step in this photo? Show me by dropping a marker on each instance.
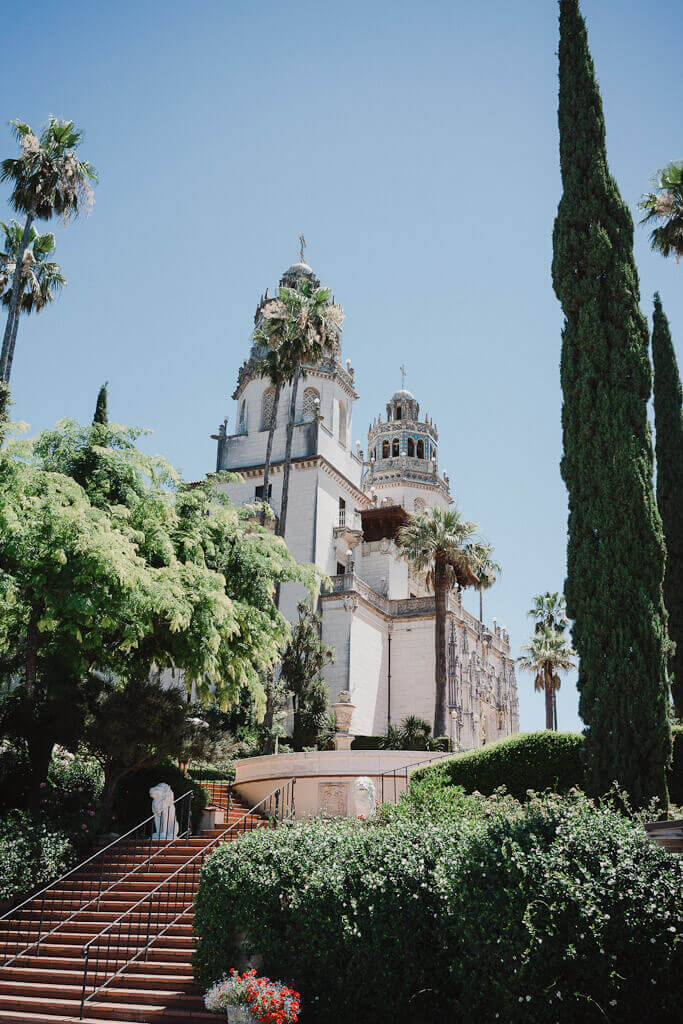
(129, 1012)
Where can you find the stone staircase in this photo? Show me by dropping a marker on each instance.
(45, 985)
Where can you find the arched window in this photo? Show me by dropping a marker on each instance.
(420, 449)
(419, 505)
(411, 447)
(267, 408)
(242, 421)
(385, 449)
(311, 404)
(398, 412)
(342, 423)
(395, 447)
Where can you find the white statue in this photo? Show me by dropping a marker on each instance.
(163, 809)
(364, 797)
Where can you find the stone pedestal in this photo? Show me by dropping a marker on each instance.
(343, 713)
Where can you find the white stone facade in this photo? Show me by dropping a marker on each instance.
(343, 514)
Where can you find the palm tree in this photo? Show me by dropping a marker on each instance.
(545, 656)
(550, 610)
(300, 324)
(666, 205)
(48, 180)
(39, 281)
(270, 366)
(442, 543)
(486, 577)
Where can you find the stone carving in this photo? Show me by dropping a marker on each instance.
(333, 798)
(364, 797)
(163, 809)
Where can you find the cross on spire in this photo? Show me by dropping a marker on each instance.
(302, 248)
(403, 377)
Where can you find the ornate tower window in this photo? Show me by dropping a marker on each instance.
(419, 505)
(385, 449)
(311, 404)
(242, 420)
(398, 412)
(342, 424)
(267, 408)
(395, 447)
(420, 449)
(411, 447)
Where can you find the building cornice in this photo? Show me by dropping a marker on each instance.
(306, 462)
(327, 370)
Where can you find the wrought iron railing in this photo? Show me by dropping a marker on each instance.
(401, 774)
(131, 934)
(27, 925)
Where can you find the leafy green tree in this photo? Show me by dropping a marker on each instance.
(665, 205)
(101, 416)
(445, 546)
(545, 656)
(270, 366)
(299, 324)
(615, 554)
(669, 447)
(47, 179)
(114, 568)
(40, 280)
(486, 576)
(303, 661)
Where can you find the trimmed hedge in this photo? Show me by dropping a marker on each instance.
(133, 804)
(535, 760)
(553, 911)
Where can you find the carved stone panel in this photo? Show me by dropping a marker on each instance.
(333, 798)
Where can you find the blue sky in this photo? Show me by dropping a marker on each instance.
(415, 145)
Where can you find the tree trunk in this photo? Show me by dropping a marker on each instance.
(440, 674)
(282, 526)
(481, 604)
(107, 799)
(14, 300)
(548, 700)
(269, 448)
(13, 340)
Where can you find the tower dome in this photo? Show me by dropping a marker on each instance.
(402, 453)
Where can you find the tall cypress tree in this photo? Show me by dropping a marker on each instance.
(615, 551)
(101, 406)
(669, 448)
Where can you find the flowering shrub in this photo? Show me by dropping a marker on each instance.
(270, 1002)
(553, 911)
(32, 853)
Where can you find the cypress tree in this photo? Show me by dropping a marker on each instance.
(615, 550)
(101, 406)
(669, 449)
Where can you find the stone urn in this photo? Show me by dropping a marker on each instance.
(343, 713)
(240, 1015)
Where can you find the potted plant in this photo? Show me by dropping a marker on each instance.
(248, 999)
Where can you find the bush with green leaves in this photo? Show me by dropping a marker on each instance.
(32, 853)
(534, 760)
(552, 911)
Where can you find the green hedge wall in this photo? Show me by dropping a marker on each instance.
(535, 760)
(551, 912)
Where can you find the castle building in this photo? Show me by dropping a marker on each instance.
(344, 514)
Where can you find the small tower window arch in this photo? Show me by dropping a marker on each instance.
(242, 421)
(267, 408)
(311, 404)
(395, 447)
(399, 412)
(420, 449)
(419, 505)
(411, 447)
(385, 449)
(342, 424)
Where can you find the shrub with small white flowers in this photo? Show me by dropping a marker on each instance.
(554, 911)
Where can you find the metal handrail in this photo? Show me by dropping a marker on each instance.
(284, 790)
(146, 860)
(411, 764)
